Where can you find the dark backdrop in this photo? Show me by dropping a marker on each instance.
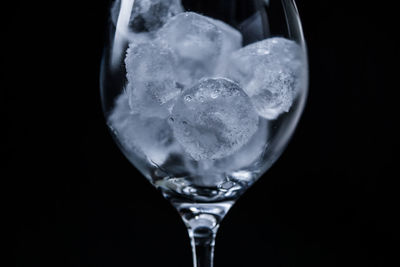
(74, 199)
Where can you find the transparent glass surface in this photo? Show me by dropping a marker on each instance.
(202, 96)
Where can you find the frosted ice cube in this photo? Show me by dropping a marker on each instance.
(271, 73)
(152, 138)
(197, 42)
(148, 15)
(151, 86)
(213, 119)
(276, 50)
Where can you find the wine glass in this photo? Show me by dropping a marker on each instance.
(202, 97)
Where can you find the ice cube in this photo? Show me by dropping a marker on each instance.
(271, 72)
(152, 138)
(148, 15)
(213, 173)
(151, 86)
(248, 154)
(197, 42)
(272, 92)
(213, 119)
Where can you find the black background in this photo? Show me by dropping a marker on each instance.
(330, 200)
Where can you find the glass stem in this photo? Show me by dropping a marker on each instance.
(202, 221)
(203, 241)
